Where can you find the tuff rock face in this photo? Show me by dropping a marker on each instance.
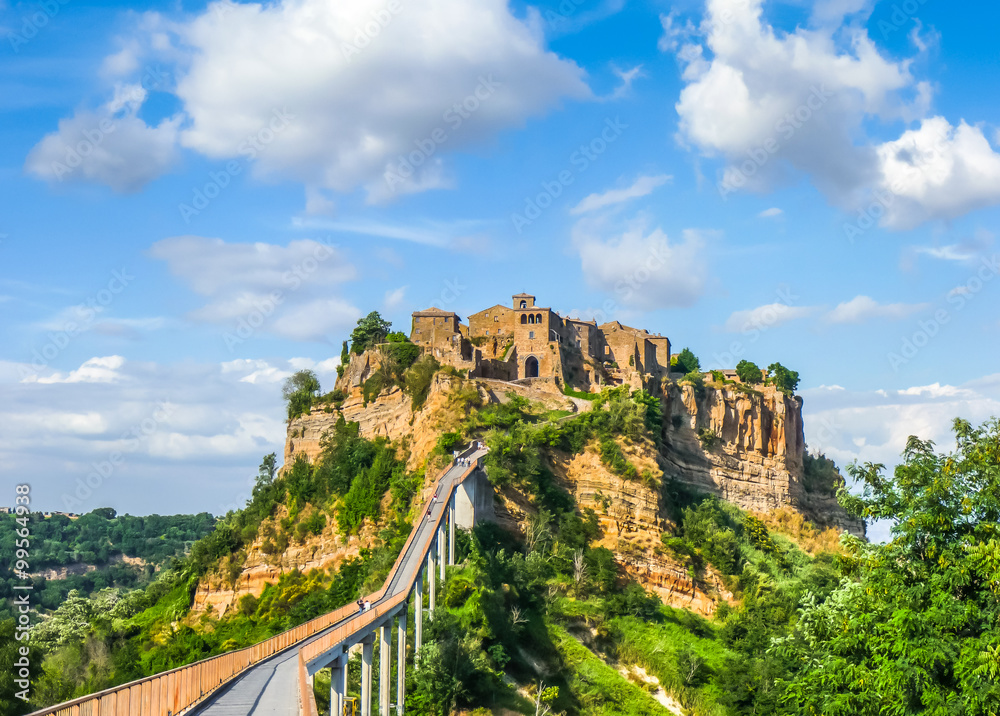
(754, 460)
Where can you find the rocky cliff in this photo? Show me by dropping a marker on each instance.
(744, 445)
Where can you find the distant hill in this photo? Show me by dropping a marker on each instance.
(96, 550)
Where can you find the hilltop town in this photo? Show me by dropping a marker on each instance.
(524, 341)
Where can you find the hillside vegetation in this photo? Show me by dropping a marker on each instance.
(545, 617)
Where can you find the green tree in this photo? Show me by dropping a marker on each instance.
(916, 630)
(785, 380)
(304, 381)
(685, 362)
(748, 372)
(299, 391)
(370, 331)
(14, 656)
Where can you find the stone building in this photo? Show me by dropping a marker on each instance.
(526, 341)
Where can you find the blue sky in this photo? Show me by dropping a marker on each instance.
(199, 199)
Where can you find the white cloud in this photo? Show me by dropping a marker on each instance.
(770, 213)
(862, 308)
(110, 146)
(938, 171)
(94, 370)
(642, 186)
(873, 426)
(767, 316)
(394, 299)
(627, 77)
(288, 291)
(198, 429)
(358, 108)
(772, 103)
(643, 270)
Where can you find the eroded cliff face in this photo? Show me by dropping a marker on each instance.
(632, 516)
(746, 447)
(218, 593)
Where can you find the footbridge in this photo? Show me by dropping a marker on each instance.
(275, 675)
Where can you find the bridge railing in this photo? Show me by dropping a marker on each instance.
(171, 692)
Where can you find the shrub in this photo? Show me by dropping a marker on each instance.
(685, 362)
(748, 372)
(820, 474)
(417, 380)
(785, 380)
(708, 438)
(612, 456)
(370, 331)
(402, 353)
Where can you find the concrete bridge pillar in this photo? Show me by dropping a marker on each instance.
(451, 530)
(431, 580)
(418, 614)
(384, 667)
(442, 541)
(338, 686)
(401, 662)
(367, 645)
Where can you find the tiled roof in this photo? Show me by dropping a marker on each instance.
(433, 311)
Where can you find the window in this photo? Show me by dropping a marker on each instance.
(531, 319)
(531, 334)
(524, 304)
(487, 331)
(524, 318)
(578, 343)
(538, 318)
(496, 319)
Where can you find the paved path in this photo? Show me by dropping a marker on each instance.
(270, 688)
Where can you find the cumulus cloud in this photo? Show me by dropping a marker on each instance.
(110, 146)
(94, 370)
(872, 426)
(199, 428)
(767, 316)
(863, 308)
(644, 270)
(365, 84)
(330, 94)
(289, 291)
(642, 186)
(773, 103)
(938, 171)
(771, 213)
